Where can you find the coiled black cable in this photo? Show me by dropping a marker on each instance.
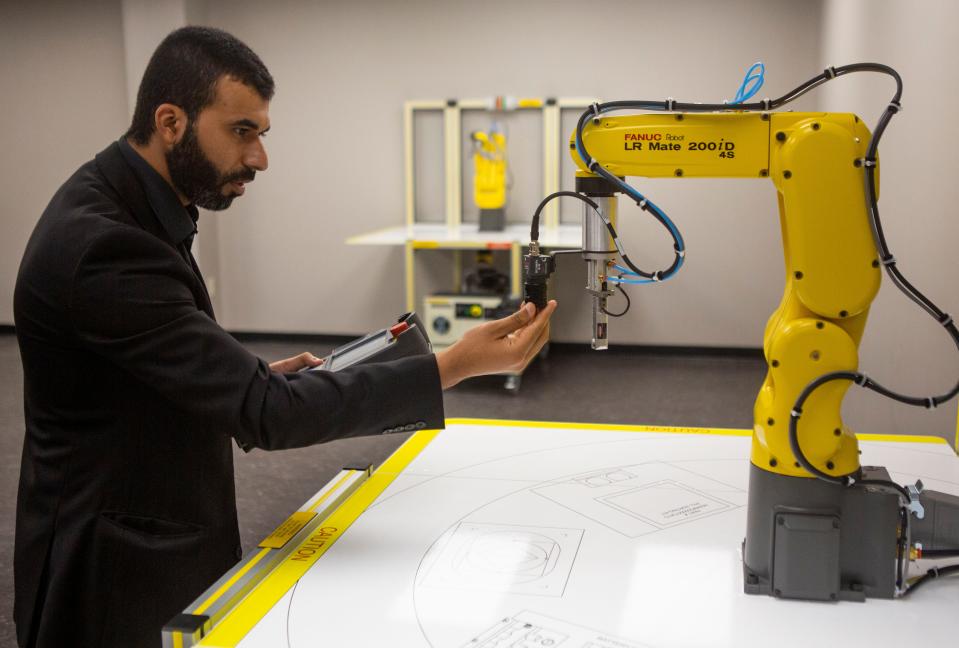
(534, 236)
(625, 308)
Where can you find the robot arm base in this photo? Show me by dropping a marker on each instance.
(813, 540)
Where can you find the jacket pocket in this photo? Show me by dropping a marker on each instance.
(150, 526)
(150, 569)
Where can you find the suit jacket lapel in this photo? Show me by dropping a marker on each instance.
(121, 177)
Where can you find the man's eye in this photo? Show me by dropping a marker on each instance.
(241, 131)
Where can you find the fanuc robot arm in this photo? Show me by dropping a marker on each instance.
(490, 177)
(820, 526)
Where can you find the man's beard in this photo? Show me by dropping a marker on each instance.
(196, 177)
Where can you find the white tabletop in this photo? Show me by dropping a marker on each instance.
(468, 235)
(540, 535)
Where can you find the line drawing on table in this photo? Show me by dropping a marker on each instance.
(645, 439)
(502, 558)
(525, 556)
(642, 441)
(289, 609)
(659, 436)
(903, 476)
(713, 461)
(646, 503)
(904, 447)
(533, 630)
(450, 473)
(643, 498)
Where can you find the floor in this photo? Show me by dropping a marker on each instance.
(630, 386)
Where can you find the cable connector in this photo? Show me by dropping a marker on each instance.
(931, 403)
(946, 319)
(867, 162)
(830, 72)
(670, 103)
(796, 413)
(895, 107)
(594, 108)
(642, 203)
(767, 103)
(889, 260)
(592, 164)
(861, 379)
(537, 268)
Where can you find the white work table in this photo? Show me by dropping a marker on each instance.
(468, 236)
(510, 534)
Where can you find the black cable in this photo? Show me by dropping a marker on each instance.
(794, 432)
(678, 244)
(863, 381)
(534, 228)
(901, 546)
(935, 572)
(845, 480)
(939, 553)
(534, 234)
(623, 290)
(670, 105)
(625, 310)
(884, 483)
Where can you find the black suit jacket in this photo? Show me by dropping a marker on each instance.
(126, 509)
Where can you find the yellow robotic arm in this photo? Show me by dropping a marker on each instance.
(832, 271)
(819, 525)
(489, 177)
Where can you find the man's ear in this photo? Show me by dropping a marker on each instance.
(171, 124)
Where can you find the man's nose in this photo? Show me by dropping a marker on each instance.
(256, 157)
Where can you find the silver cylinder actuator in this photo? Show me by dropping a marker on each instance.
(599, 252)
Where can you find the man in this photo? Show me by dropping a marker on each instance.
(126, 508)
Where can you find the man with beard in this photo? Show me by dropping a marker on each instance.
(133, 394)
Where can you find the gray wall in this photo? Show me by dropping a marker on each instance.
(62, 74)
(343, 72)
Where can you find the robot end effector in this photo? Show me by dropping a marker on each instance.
(597, 251)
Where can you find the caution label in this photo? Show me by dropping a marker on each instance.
(290, 527)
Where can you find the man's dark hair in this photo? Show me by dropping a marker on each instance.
(184, 70)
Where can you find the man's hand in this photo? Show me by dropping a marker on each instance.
(294, 364)
(500, 346)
